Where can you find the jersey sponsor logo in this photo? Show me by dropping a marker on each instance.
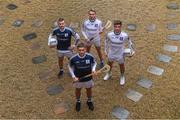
(77, 62)
(66, 34)
(87, 61)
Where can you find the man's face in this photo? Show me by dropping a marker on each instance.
(61, 24)
(117, 28)
(81, 51)
(92, 15)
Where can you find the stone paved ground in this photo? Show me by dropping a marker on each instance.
(31, 89)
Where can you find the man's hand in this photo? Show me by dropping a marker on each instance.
(75, 79)
(88, 43)
(72, 47)
(94, 73)
(132, 53)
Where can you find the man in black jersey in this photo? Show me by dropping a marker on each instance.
(63, 36)
(81, 65)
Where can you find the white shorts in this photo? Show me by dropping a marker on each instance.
(118, 59)
(95, 41)
(87, 84)
(67, 54)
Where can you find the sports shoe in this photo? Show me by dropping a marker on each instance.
(107, 76)
(78, 106)
(90, 105)
(60, 73)
(122, 80)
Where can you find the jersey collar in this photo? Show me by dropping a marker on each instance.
(82, 56)
(62, 30)
(117, 33)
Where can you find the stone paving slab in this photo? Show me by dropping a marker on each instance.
(145, 83)
(133, 95)
(163, 58)
(131, 27)
(61, 108)
(155, 70)
(11, 6)
(17, 23)
(74, 25)
(35, 46)
(45, 75)
(175, 37)
(30, 36)
(54, 89)
(171, 15)
(120, 112)
(171, 26)
(173, 6)
(170, 48)
(36, 23)
(151, 27)
(27, 1)
(39, 59)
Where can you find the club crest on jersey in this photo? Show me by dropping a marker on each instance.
(121, 38)
(66, 34)
(96, 25)
(87, 61)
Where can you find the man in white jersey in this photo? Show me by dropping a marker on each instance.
(114, 49)
(91, 30)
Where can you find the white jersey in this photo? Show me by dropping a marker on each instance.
(91, 30)
(115, 43)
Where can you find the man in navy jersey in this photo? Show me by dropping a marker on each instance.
(64, 48)
(81, 65)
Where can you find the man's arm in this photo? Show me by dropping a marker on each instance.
(106, 44)
(71, 70)
(83, 31)
(101, 29)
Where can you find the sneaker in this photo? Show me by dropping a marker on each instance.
(90, 105)
(60, 73)
(122, 80)
(101, 65)
(107, 76)
(78, 106)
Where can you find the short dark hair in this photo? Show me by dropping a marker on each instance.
(60, 19)
(92, 10)
(117, 22)
(81, 44)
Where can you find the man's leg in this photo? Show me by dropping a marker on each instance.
(98, 48)
(122, 70)
(78, 102)
(60, 62)
(89, 96)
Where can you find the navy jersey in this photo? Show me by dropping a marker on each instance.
(82, 66)
(64, 37)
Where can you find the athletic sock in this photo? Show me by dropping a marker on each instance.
(78, 100)
(89, 99)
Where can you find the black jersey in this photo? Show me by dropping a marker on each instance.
(82, 66)
(64, 37)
